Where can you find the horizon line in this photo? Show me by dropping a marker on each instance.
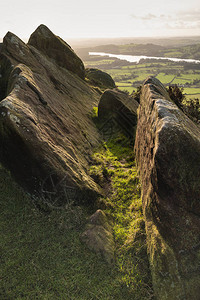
(119, 37)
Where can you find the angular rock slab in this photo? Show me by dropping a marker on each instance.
(120, 109)
(46, 134)
(98, 236)
(57, 49)
(167, 150)
(100, 78)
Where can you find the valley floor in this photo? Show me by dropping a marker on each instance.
(128, 76)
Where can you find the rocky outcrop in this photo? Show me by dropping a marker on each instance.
(168, 156)
(100, 78)
(120, 109)
(46, 134)
(56, 49)
(98, 236)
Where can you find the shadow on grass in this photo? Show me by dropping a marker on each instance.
(42, 257)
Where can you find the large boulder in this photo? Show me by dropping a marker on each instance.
(46, 133)
(57, 49)
(120, 109)
(100, 78)
(168, 156)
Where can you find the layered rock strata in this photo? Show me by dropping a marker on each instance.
(45, 127)
(56, 49)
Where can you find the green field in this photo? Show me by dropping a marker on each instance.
(129, 76)
(164, 78)
(191, 91)
(128, 89)
(193, 96)
(124, 84)
(102, 62)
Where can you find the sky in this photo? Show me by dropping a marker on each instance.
(101, 19)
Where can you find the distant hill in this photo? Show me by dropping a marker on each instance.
(165, 42)
(191, 51)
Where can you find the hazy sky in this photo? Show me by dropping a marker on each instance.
(103, 18)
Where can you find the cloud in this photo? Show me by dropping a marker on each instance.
(186, 20)
(150, 17)
(192, 15)
(183, 25)
(189, 19)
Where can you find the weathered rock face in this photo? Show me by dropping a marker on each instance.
(100, 78)
(98, 236)
(119, 108)
(45, 128)
(57, 49)
(168, 156)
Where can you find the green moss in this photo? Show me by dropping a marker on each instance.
(94, 117)
(94, 113)
(123, 204)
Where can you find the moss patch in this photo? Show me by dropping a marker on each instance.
(115, 171)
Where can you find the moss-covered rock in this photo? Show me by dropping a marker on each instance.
(168, 156)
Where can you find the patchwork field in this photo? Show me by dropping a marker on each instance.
(128, 76)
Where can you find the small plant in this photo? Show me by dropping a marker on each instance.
(94, 112)
(137, 93)
(190, 107)
(94, 116)
(125, 92)
(176, 94)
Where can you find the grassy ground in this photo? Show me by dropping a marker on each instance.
(165, 79)
(191, 91)
(41, 254)
(193, 96)
(128, 89)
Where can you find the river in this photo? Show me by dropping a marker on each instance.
(137, 58)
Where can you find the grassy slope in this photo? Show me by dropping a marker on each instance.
(41, 253)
